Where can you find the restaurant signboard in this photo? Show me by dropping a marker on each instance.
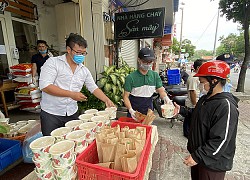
(148, 23)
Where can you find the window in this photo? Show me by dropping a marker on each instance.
(4, 67)
(25, 37)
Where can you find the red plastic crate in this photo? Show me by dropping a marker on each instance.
(127, 119)
(88, 170)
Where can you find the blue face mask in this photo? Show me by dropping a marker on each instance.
(43, 52)
(78, 59)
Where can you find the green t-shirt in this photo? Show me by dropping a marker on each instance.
(140, 85)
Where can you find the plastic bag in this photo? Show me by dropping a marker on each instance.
(31, 135)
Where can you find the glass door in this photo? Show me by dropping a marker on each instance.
(25, 39)
(4, 50)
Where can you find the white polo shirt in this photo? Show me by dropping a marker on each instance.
(57, 71)
(192, 84)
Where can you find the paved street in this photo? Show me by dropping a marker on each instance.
(234, 79)
(167, 162)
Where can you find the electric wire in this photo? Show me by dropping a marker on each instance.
(131, 4)
(206, 28)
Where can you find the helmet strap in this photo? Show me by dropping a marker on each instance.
(212, 85)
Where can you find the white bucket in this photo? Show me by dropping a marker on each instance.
(91, 111)
(103, 113)
(167, 110)
(85, 117)
(112, 112)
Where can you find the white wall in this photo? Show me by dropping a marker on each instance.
(93, 31)
(68, 21)
(105, 8)
(47, 29)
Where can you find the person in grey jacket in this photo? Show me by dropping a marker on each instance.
(211, 141)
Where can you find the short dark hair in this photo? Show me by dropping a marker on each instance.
(42, 42)
(198, 63)
(76, 39)
(222, 81)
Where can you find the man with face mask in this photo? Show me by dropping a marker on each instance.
(61, 81)
(141, 84)
(193, 94)
(213, 129)
(39, 59)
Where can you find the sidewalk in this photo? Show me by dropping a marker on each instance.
(167, 162)
(171, 146)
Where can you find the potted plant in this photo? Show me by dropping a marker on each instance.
(111, 83)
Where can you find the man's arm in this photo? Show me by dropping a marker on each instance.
(126, 99)
(163, 94)
(128, 104)
(193, 97)
(34, 69)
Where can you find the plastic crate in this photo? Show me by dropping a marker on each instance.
(174, 79)
(10, 151)
(173, 71)
(127, 119)
(174, 76)
(88, 170)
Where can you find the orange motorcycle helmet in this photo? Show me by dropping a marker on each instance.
(216, 68)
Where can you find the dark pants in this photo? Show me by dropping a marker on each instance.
(186, 125)
(201, 173)
(49, 122)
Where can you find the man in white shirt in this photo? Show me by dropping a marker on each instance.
(61, 81)
(193, 93)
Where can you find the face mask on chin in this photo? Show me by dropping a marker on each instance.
(78, 59)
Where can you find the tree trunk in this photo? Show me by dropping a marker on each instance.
(242, 76)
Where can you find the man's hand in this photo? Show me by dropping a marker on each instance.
(33, 80)
(189, 161)
(109, 103)
(166, 100)
(78, 96)
(132, 112)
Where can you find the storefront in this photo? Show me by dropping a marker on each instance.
(19, 31)
(23, 22)
(53, 21)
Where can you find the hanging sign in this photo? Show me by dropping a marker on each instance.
(3, 5)
(141, 24)
(24, 8)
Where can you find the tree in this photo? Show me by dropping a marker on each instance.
(186, 44)
(189, 48)
(200, 53)
(175, 46)
(239, 11)
(232, 44)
